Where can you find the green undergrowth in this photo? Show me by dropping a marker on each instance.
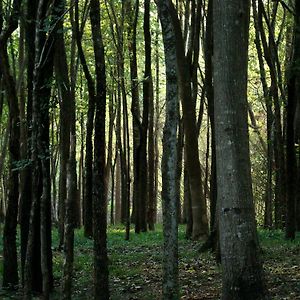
(136, 266)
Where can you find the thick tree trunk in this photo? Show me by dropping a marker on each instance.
(39, 253)
(242, 270)
(291, 132)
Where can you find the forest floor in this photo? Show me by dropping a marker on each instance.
(136, 272)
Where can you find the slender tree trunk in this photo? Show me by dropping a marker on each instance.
(68, 154)
(151, 146)
(157, 114)
(118, 190)
(210, 100)
(63, 83)
(187, 204)
(101, 286)
(110, 162)
(10, 264)
(147, 98)
(88, 184)
(268, 199)
(180, 145)
(169, 159)
(199, 210)
(132, 13)
(270, 54)
(81, 170)
(26, 193)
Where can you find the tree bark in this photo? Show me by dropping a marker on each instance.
(147, 182)
(39, 252)
(10, 264)
(291, 132)
(101, 286)
(132, 15)
(88, 184)
(199, 210)
(169, 159)
(242, 269)
(26, 193)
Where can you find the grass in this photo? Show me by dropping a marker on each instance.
(135, 267)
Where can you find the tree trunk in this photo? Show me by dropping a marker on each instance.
(187, 204)
(132, 13)
(180, 145)
(269, 186)
(199, 211)
(118, 190)
(10, 264)
(242, 270)
(147, 98)
(88, 184)
(26, 194)
(169, 159)
(151, 146)
(101, 286)
(291, 133)
(39, 253)
(68, 154)
(270, 53)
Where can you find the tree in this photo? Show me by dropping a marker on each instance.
(88, 184)
(269, 190)
(38, 273)
(242, 269)
(101, 287)
(199, 211)
(10, 264)
(67, 200)
(270, 50)
(25, 189)
(132, 13)
(169, 160)
(148, 84)
(292, 130)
